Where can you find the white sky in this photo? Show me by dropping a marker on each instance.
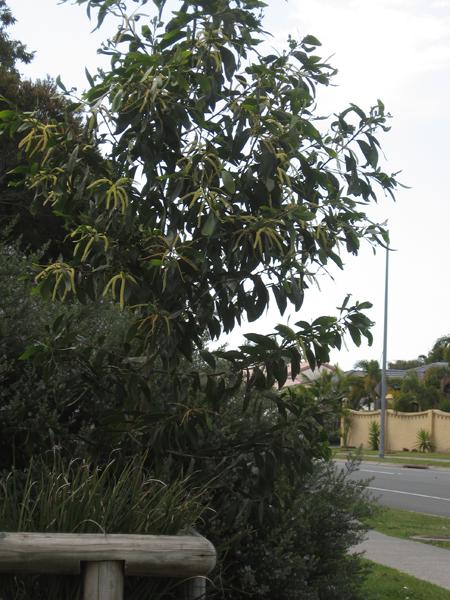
(396, 50)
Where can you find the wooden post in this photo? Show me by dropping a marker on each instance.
(196, 589)
(103, 580)
(105, 559)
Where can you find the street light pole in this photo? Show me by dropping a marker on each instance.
(383, 370)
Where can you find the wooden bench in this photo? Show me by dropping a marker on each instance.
(104, 560)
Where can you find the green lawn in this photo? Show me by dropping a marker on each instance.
(383, 583)
(406, 524)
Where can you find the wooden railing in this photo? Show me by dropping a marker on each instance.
(104, 560)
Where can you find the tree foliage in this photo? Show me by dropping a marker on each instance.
(31, 223)
(371, 379)
(11, 51)
(404, 365)
(417, 394)
(440, 352)
(221, 185)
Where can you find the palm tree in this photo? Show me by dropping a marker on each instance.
(372, 378)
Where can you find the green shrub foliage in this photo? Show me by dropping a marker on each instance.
(300, 549)
(374, 435)
(64, 396)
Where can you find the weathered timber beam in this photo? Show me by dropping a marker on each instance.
(177, 556)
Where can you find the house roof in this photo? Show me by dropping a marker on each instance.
(401, 373)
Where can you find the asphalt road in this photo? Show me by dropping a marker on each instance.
(419, 490)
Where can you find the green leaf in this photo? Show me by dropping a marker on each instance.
(104, 9)
(311, 40)
(6, 115)
(325, 321)
(31, 351)
(229, 62)
(117, 100)
(210, 225)
(60, 84)
(364, 305)
(89, 78)
(370, 153)
(265, 341)
(228, 182)
(208, 358)
(286, 332)
(171, 37)
(355, 334)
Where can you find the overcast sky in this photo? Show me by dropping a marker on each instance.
(395, 50)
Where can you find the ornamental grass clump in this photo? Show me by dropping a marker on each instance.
(77, 497)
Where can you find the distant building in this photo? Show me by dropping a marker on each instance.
(402, 373)
(307, 375)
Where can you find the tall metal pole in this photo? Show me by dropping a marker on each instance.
(383, 370)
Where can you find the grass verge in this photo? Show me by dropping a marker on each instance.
(413, 455)
(406, 524)
(425, 460)
(383, 583)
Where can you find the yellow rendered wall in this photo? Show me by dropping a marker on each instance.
(441, 430)
(401, 429)
(358, 434)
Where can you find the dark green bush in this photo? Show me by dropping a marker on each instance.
(282, 519)
(59, 369)
(299, 550)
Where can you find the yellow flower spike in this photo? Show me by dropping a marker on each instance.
(116, 193)
(120, 279)
(62, 272)
(39, 135)
(87, 249)
(57, 282)
(90, 235)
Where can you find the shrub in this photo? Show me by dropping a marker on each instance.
(300, 551)
(281, 520)
(424, 443)
(346, 427)
(63, 397)
(374, 435)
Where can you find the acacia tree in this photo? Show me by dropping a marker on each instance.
(221, 184)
